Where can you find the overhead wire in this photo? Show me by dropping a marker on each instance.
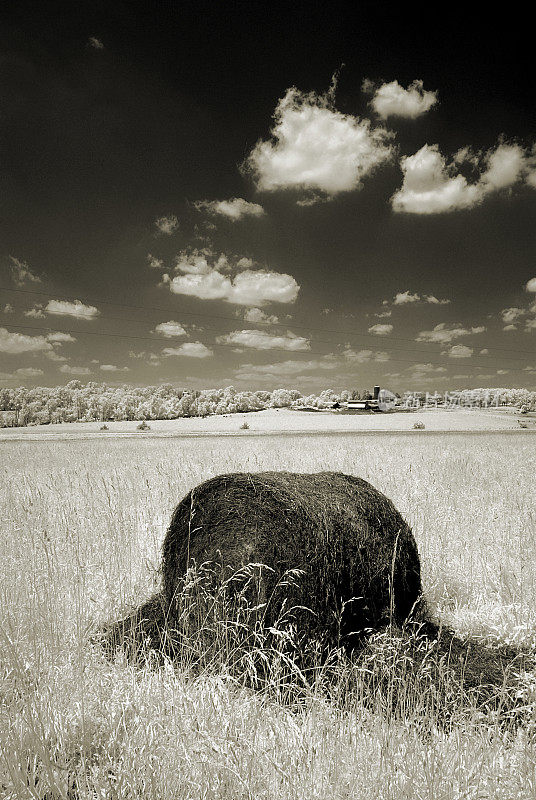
(236, 319)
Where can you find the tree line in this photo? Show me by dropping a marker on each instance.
(98, 402)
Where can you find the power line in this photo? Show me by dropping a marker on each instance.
(289, 353)
(236, 319)
(387, 341)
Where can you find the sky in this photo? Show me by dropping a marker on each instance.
(266, 195)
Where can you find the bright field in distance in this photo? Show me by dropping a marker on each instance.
(82, 524)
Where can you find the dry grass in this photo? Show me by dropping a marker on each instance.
(82, 529)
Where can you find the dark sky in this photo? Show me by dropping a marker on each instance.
(122, 122)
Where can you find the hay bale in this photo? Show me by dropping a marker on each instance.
(358, 561)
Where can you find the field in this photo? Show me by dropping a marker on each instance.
(285, 420)
(82, 525)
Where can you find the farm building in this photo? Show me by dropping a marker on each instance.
(382, 400)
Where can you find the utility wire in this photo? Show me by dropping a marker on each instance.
(236, 319)
(387, 340)
(289, 353)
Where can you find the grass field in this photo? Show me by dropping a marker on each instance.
(82, 524)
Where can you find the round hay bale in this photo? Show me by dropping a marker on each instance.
(358, 561)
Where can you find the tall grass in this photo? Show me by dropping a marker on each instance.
(81, 532)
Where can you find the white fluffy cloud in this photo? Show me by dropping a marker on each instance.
(531, 285)
(21, 272)
(67, 309)
(112, 368)
(95, 43)
(170, 329)
(459, 351)
(189, 349)
(403, 298)
(60, 337)
(431, 186)
(315, 147)
(234, 209)
(208, 276)
(447, 333)
(262, 340)
(167, 225)
(512, 317)
(381, 329)
(392, 100)
(257, 315)
(16, 343)
(248, 288)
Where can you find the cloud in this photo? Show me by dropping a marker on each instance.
(95, 43)
(21, 272)
(67, 309)
(8, 309)
(52, 355)
(262, 340)
(189, 349)
(36, 312)
(384, 314)
(154, 262)
(380, 329)
(292, 367)
(504, 166)
(256, 315)
(28, 372)
(459, 351)
(201, 274)
(167, 225)
(16, 343)
(113, 368)
(287, 368)
(70, 370)
(234, 209)
(59, 337)
(364, 356)
(151, 358)
(484, 351)
(431, 186)
(427, 368)
(511, 317)
(315, 147)
(392, 100)
(170, 329)
(446, 333)
(403, 298)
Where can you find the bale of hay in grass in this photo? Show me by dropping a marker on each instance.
(357, 561)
